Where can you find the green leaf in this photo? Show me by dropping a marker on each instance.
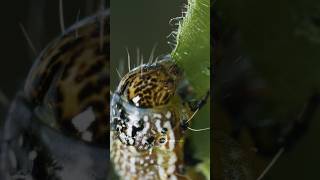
(192, 52)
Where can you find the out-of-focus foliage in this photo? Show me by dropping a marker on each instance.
(280, 40)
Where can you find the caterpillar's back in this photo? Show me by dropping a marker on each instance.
(70, 79)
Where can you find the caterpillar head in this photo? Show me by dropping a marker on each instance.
(149, 86)
(146, 109)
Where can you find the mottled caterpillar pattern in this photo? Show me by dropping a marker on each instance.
(147, 113)
(70, 80)
(57, 127)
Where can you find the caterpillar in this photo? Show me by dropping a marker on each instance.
(71, 79)
(149, 117)
(145, 125)
(57, 126)
(150, 112)
(65, 103)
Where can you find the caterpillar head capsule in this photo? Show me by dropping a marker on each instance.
(149, 86)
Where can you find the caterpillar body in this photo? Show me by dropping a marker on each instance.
(57, 127)
(147, 115)
(70, 78)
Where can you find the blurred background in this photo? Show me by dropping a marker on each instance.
(267, 67)
(140, 24)
(41, 21)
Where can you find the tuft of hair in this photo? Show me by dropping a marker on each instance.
(140, 60)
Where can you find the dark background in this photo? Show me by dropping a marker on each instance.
(140, 24)
(281, 39)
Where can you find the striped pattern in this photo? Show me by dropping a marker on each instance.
(149, 86)
(71, 76)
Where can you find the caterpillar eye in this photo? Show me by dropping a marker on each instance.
(164, 130)
(162, 140)
(150, 140)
